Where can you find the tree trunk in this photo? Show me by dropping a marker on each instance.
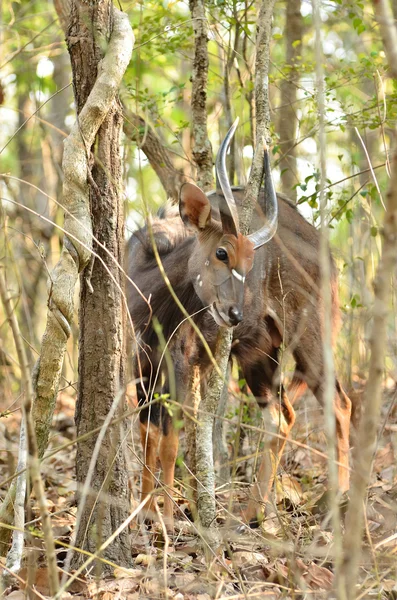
(288, 95)
(101, 342)
(365, 446)
(202, 151)
(204, 453)
(102, 357)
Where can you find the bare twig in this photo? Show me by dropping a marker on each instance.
(157, 155)
(370, 166)
(204, 454)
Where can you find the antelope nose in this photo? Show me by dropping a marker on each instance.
(235, 315)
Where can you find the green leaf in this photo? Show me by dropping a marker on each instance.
(349, 215)
(356, 22)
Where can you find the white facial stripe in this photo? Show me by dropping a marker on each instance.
(224, 316)
(238, 276)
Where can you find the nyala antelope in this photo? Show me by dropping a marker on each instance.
(265, 285)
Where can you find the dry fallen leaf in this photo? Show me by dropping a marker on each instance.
(151, 587)
(290, 488)
(316, 577)
(248, 558)
(145, 559)
(112, 586)
(122, 573)
(16, 595)
(181, 580)
(384, 458)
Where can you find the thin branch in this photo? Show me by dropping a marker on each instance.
(158, 156)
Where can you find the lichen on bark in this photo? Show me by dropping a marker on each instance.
(202, 150)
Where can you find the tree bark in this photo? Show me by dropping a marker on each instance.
(202, 151)
(287, 122)
(326, 300)
(206, 503)
(101, 342)
(77, 244)
(204, 452)
(262, 112)
(367, 435)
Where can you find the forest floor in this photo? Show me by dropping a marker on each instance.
(287, 557)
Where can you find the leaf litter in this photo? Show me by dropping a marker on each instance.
(289, 554)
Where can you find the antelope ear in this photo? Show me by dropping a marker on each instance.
(194, 206)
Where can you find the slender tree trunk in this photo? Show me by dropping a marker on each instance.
(367, 435)
(204, 455)
(287, 122)
(221, 454)
(101, 343)
(202, 151)
(262, 112)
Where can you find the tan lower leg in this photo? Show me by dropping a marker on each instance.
(168, 454)
(149, 437)
(343, 447)
(343, 409)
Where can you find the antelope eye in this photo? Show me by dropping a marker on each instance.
(221, 254)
